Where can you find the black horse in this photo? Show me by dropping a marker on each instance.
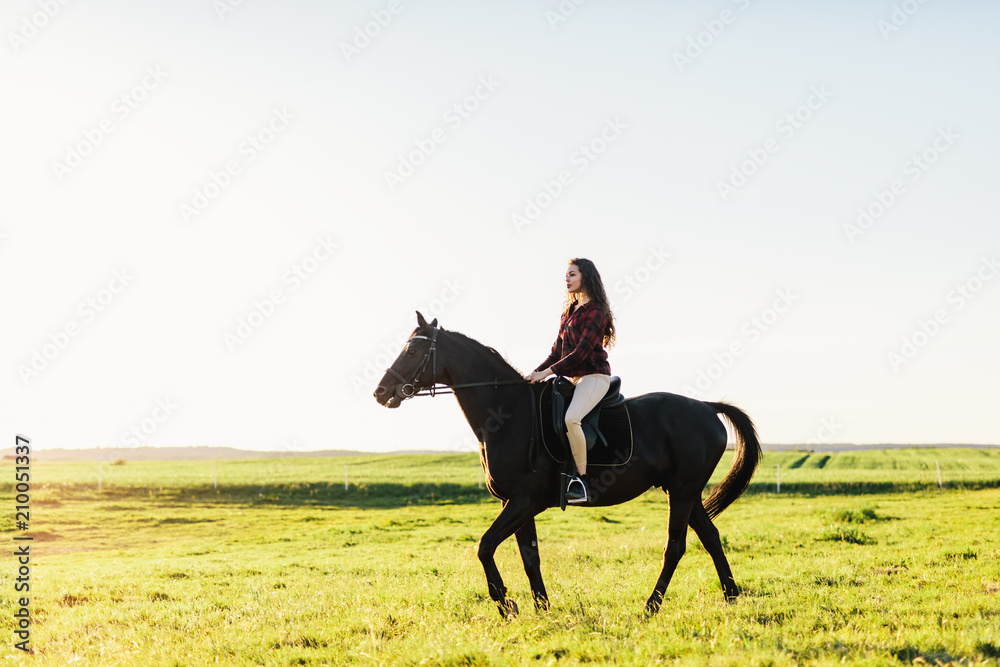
(678, 441)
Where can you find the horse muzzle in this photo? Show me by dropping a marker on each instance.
(394, 397)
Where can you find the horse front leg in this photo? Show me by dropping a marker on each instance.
(527, 542)
(512, 516)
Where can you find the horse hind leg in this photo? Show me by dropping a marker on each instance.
(680, 511)
(709, 536)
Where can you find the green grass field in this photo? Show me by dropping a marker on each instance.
(861, 558)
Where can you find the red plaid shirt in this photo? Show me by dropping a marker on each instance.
(578, 349)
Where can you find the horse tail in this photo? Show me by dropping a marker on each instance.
(748, 456)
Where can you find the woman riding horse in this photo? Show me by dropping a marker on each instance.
(585, 329)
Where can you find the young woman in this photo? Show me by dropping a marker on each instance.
(585, 329)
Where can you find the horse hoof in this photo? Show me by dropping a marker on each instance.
(652, 606)
(507, 608)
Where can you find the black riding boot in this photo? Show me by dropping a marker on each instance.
(577, 490)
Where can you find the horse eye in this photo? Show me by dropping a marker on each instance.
(410, 351)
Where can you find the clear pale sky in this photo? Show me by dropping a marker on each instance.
(793, 207)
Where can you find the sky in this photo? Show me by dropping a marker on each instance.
(219, 217)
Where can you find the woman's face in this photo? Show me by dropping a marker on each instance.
(574, 281)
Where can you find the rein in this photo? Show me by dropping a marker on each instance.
(439, 388)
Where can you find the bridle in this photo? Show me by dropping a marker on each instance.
(409, 389)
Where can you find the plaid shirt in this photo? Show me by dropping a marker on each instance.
(578, 349)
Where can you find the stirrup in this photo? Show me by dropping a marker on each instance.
(576, 491)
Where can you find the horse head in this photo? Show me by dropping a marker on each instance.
(414, 369)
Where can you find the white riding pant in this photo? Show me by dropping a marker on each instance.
(590, 389)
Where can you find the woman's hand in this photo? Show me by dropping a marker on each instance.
(538, 376)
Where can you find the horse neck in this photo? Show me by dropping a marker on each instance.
(489, 410)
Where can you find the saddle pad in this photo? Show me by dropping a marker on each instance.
(614, 423)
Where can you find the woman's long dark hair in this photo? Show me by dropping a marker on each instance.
(594, 287)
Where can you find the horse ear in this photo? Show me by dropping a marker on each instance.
(423, 323)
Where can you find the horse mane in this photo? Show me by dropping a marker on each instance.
(475, 343)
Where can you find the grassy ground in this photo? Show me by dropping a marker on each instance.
(279, 567)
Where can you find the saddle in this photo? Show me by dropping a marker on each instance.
(607, 427)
